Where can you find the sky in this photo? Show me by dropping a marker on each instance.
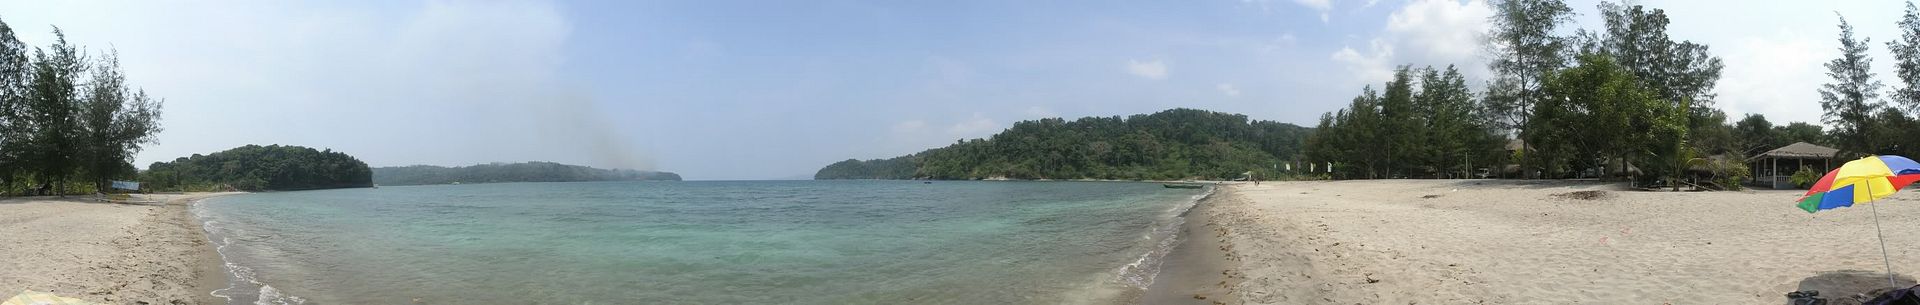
(726, 90)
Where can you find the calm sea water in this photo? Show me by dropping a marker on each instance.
(786, 242)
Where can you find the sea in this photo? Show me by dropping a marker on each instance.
(699, 242)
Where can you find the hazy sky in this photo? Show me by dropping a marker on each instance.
(777, 89)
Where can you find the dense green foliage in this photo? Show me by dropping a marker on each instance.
(1172, 144)
(901, 167)
(68, 123)
(1805, 177)
(1624, 101)
(1639, 127)
(260, 168)
(1437, 131)
(509, 172)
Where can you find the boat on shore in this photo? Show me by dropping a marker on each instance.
(1181, 186)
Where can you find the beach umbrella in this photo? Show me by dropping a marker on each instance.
(31, 297)
(1861, 182)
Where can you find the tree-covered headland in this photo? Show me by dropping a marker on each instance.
(259, 168)
(1172, 144)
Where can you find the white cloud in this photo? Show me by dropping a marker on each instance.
(1444, 28)
(1322, 5)
(1370, 68)
(1228, 89)
(977, 126)
(910, 126)
(1422, 33)
(1155, 69)
(1777, 75)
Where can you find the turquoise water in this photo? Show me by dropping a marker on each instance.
(772, 242)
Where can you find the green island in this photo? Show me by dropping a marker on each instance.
(260, 168)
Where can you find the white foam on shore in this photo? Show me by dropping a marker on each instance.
(237, 275)
(1141, 272)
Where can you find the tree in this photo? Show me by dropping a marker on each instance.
(1852, 98)
(1399, 123)
(1636, 37)
(15, 66)
(116, 121)
(1801, 132)
(52, 102)
(1444, 106)
(1612, 110)
(1755, 133)
(1525, 50)
(1906, 56)
(1900, 133)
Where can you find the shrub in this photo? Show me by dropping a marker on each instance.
(1804, 178)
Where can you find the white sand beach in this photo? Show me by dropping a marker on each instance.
(1516, 242)
(109, 253)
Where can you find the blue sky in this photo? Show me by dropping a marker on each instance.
(776, 89)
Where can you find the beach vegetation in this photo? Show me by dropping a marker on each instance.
(1852, 99)
(1805, 177)
(69, 120)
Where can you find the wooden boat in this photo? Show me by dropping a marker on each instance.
(1181, 186)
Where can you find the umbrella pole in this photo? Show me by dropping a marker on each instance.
(1883, 239)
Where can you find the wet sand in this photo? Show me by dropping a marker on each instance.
(1195, 272)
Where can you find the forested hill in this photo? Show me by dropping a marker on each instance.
(260, 168)
(1172, 144)
(509, 172)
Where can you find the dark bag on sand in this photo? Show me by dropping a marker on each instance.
(1904, 296)
(1808, 297)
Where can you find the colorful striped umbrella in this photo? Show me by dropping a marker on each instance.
(1861, 182)
(30, 297)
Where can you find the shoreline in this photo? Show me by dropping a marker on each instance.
(210, 272)
(1187, 274)
(109, 253)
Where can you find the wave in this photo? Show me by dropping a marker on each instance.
(240, 279)
(1141, 272)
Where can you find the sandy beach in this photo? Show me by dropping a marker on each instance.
(109, 253)
(1541, 242)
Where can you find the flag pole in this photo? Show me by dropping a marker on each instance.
(1883, 237)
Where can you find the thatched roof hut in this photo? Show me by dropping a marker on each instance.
(1775, 168)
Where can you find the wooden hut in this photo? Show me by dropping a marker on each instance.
(1775, 168)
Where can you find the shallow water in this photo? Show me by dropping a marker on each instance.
(787, 242)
